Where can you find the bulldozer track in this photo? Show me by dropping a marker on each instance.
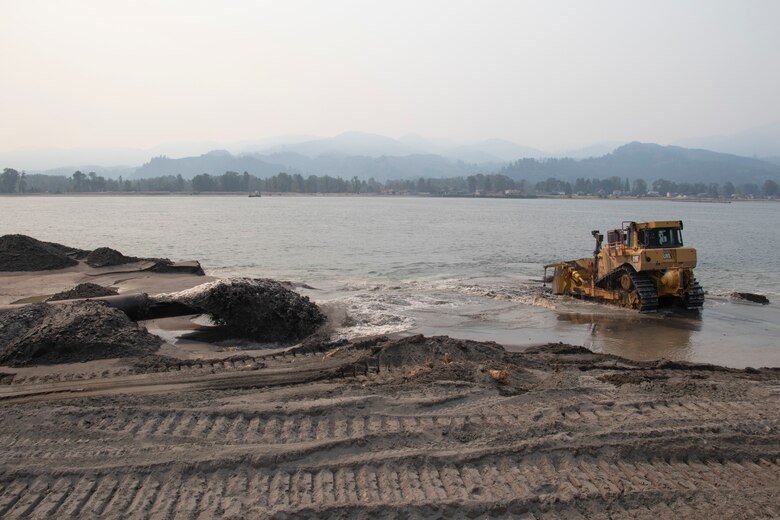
(344, 436)
(694, 299)
(559, 485)
(197, 367)
(335, 461)
(274, 428)
(645, 288)
(260, 371)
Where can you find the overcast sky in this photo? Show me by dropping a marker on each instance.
(548, 74)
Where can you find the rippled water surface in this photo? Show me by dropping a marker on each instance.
(465, 267)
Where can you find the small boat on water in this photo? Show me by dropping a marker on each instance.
(255, 194)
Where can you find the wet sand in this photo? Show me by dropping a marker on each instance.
(416, 427)
(727, 332)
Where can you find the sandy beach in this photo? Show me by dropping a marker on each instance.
(384, 427)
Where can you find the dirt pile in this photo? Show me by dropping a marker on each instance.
(258, 309)
(69, 333)
(23, 253)
(414, 363)
(163, 265)
(419, 349)
(106, 257)
(83, 290)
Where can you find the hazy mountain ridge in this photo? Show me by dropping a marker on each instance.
(594, 150)
(632, 161)
(364, 155)
(650, 161)
(363, 167)
(214, 162)
(374, 145)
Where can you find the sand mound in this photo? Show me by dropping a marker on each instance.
(23, 253)
(83, 290)
(420, 350)
(259, 309)
(105, 257)
(163, 265)
(69, 333)
(415, 363)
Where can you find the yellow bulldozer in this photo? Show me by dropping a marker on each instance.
(642, 265)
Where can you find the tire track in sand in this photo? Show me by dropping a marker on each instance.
(561, 483)
(277, 428)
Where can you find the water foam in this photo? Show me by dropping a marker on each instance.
(521, 292)
(371, 313)
(386, 308)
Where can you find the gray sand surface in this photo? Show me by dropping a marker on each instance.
(417, 428)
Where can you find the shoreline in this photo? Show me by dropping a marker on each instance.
(379, 195)
(380, 426)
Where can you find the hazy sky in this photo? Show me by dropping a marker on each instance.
(549, 74)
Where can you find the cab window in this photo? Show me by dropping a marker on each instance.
(663, 237)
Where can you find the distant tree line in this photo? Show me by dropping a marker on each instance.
(662, 187)
(12, 181)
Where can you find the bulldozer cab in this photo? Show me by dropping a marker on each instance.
(654, 235)
(642, 235)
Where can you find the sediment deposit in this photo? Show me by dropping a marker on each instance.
(415, 427)
(105, 257)
(82, 290)
(70, 332)
(259, 309)
(23, 253)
